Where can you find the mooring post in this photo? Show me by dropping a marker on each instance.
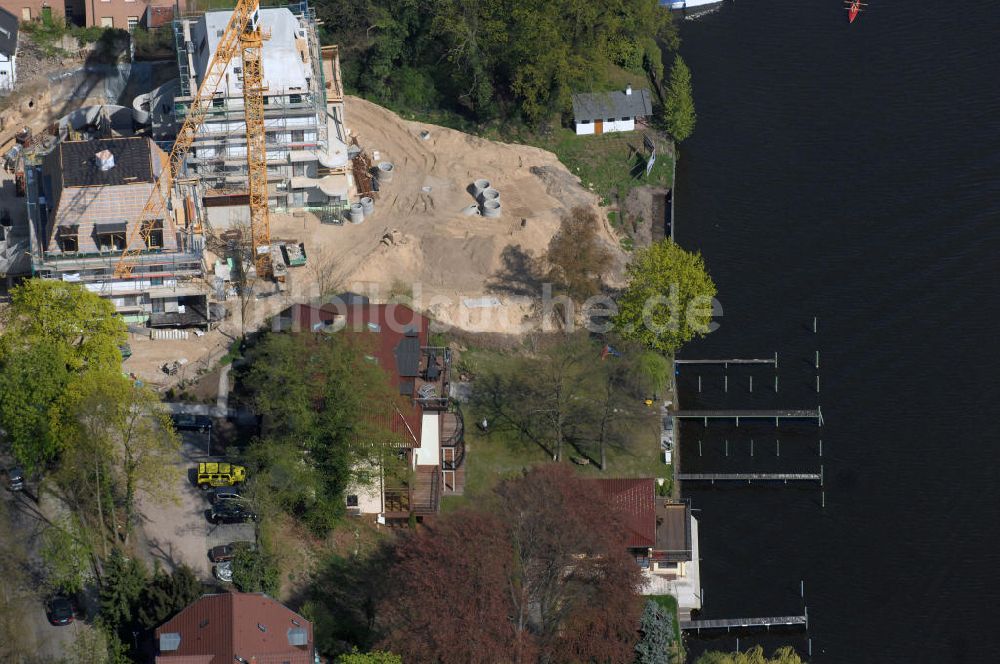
(775, 360)
(777, 447)
(821, 447)
(737, 644)
(751, 384)
(699, 447)
(699, 382)
(810, 647)
(822, 499)
(802, 588)
(817, 359)
(727, 383)
(817, 383)
(751, 447)
(821, 475)
(727, 447)
(776, 383)
(815, 324)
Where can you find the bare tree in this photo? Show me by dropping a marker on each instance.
(577, 258)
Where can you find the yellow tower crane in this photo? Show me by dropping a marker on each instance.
(243, 35)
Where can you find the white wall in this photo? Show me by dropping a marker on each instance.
(617, 125)
(429, 452)
(8, 72)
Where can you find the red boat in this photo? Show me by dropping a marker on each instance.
(853, 9)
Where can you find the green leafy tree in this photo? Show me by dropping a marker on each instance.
(66, 555)
(786, 655)
(31, 380)
(668, 299)
(66, 316)
(678, 107)
(657, 629)
(653, 372)
(166, 594)
(125, 423)
(256, 571)
(374, 657)
(315, 395)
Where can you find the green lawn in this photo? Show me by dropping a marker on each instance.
(491, 458)
(669, 604)
(610, 164)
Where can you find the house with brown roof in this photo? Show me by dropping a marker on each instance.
(662, 535)
(429, 429)
(235, 627)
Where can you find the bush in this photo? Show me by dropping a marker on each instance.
(256, 571)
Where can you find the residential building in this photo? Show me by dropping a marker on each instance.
(307, 154)
(84, 200)
(8, 50)
(235, 627)
(607, 112)
(428, 427)
(662, 535)
(124, 14)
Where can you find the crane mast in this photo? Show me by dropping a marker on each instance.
(244, 36)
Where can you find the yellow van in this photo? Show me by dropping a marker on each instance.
(220, 474)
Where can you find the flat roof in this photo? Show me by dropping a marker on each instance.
(283, 65)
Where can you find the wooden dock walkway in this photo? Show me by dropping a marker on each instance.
(776, 415)
(727, 362)
(751, 477)
(745, 623)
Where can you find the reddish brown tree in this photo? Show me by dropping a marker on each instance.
(447, 593)
(543, 577)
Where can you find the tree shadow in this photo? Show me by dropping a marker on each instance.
(519, 273)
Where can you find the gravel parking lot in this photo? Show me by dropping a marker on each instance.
(180, 532)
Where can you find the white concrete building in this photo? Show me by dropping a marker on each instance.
(606, 112)
(8, 50)
(308, 164)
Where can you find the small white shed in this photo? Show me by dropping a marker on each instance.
(605, 112)
(8, 50)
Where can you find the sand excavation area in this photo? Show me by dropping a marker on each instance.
(466, 270)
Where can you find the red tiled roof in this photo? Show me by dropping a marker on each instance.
(635, 500)
(216, 629)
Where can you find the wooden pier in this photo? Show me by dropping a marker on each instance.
(752, 477)
(776, 415)
(745, 623)
(727, 362)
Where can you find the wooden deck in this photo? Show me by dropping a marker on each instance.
(745, 623)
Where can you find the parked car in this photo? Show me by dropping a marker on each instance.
(188, 422)
(226, 552)
(59, 610)
(223, 572)
(15, 479)
(220, 474)
(223, 493)
(230, 512)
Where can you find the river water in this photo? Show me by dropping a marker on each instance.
(851, 173)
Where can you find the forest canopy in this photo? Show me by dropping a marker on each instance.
(493, 59)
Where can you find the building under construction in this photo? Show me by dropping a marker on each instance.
(84, 198)
(307, 152)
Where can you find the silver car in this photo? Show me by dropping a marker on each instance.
(224, 572)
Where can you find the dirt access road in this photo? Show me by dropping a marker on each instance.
(179, 532)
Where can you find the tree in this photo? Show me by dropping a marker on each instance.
(374, 657)
(577, 256)
(120, 594)
(678, 107)
(256, 571)
(66, 557)
(167, 594)
(124, 422)
(755, 655)
(315, 394)
(668, 299)
(67, 316)
(653, 372)
(31, 380)
(657, 628)
(550, 581)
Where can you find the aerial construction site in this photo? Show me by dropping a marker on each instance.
(247, 180)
